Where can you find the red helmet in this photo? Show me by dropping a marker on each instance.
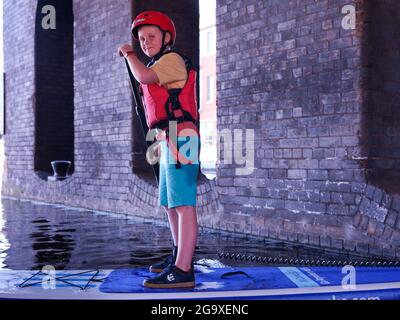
(154, 18)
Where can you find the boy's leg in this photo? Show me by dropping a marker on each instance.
(163, 201)
(187, 236)
(173, 224)
(177, 275)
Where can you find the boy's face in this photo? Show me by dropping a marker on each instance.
(150, 38)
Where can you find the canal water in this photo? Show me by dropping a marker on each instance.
(33, 235)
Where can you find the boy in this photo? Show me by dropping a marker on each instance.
(165, 84)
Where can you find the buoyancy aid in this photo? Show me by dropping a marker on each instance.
(180, 105)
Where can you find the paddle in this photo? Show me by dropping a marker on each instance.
(140, 113)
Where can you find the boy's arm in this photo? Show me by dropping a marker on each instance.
(141, 73)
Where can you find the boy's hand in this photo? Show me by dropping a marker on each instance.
(160, 135)
(122, 50)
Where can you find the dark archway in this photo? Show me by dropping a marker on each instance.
(381, 64)
(185, 15)
(53, 101)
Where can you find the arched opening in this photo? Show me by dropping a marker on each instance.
(53, 101)
(185, 15)
(382, 84)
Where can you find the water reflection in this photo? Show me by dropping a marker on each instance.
(33, 235)
(52, 243)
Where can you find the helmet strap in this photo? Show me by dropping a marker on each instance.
(162, 49)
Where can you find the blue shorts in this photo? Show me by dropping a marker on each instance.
(178, 186)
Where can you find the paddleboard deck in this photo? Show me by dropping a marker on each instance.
(211, 283)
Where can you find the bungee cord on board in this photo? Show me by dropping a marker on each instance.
(307, 262)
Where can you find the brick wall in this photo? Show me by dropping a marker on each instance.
(286, 69)
(290, 71)
(298, 77)
(19, 26)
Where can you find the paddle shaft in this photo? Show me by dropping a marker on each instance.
(141, 114)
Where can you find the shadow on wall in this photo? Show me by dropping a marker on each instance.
(381, 118)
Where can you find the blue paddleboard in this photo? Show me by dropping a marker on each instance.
(323, 283)
(269, 283)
